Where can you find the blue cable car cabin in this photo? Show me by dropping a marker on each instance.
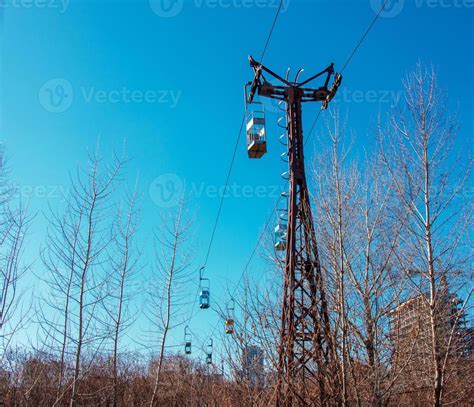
(256, 137)
(280, 237)
(209, 352)
(204, 298)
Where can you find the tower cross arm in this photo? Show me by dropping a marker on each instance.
(264, 88)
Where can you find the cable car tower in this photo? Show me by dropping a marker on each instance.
(306, 350)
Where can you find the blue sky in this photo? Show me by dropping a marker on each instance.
(171, 85)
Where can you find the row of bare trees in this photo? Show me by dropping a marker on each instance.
(394, 227)
(93, 284)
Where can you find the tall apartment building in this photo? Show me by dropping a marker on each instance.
(411, 338)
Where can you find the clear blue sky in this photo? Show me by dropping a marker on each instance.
(187, 72)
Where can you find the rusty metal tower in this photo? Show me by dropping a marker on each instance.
(306, 350)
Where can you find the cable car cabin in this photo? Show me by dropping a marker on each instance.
(187, 340)
(256, 140)
(280, 246)
(209, 358)
(204, 299)
(187, 348)
(280, 237)
(229, 326)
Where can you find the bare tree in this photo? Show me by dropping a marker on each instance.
(123, 260)
(428, 180)
(167, 298)
(14, 224)
(337, 203)
(70, 317)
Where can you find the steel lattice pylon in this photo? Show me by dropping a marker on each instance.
(306, 352)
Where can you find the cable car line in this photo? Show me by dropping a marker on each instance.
(312, 127)
(271, 30)
(356, 48)
(364, 36)
(267, 223)
(229, 172)
(354, 51)
(216, 223)
(267, 42)
(254, 251)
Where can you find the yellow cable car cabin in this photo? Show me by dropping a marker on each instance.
(229, 326)
(256, 138)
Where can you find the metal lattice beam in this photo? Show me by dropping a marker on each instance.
(306, 353)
